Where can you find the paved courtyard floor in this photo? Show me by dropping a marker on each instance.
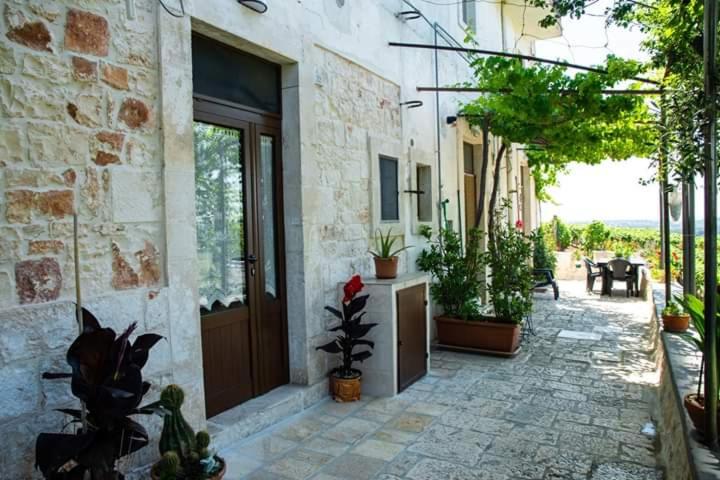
(571, 406)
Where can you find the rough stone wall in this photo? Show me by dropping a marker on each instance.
(351, 104)
(78, 133)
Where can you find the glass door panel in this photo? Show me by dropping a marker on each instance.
(267, 212)
(220, 216)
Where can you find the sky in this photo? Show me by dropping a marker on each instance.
(611, 190)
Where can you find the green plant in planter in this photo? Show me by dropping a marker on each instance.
(384, 245)
(696, 309)
(509, 258)
(185, 454)
(673, 308)
(457, 272)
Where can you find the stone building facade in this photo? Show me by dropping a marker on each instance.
(96, 118)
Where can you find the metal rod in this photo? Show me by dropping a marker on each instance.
(437, 131)
(513, 55)
(78, 306)
(510, 90)
(688, 236)
(710, 20)
(667, 264)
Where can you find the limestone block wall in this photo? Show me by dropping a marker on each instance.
(79, 133)
(353, 106)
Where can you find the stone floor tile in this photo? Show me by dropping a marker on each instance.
(325, 445)
(267, 448)
(351, 430)
(395, 436)
(431, 469)
(428, 408)
(354, 467)
(512, 467)
(292, 468)
(237, 466)
(625, 471)
(378, 449)
(301, 430)
(411, 422)
(403, 463)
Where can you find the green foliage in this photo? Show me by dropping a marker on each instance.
(457, 273)
(594, 237)
(543, 251)
(184, 454)
(509, 258)
(673, 308)
(384, 245)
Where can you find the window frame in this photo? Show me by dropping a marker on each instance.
(464, 24)
(378, 147)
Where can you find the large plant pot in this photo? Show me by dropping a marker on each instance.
(695, 406)
(345, 389)
(676, 323)
(486, 336)
(218, 476)
(386, 267)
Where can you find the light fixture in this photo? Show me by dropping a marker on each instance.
(412, 104)
(451, 119)
(256, 5)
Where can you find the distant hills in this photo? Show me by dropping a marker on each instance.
(654, 224)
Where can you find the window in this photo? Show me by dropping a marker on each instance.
(468, 159)
(424, 196)
(389, 204)
(468, 13)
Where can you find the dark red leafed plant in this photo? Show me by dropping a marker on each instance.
(107, 377)
(352, 330)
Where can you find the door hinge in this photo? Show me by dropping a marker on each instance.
(427, 354)
(425, 302)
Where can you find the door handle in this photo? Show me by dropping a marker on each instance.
(251, 258)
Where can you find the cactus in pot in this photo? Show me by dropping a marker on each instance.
(185, 454)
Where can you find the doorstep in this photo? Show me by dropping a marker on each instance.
(264, 411)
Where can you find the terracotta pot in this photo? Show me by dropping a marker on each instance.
(386, 267)
(695, 406)
(345, 389)
(217, 476)
(503, 338)
(676, 323)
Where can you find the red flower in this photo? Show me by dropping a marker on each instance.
(519, 224)
(352, 287)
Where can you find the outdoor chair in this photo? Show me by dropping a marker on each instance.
(620, 270)
(593, 272)
(544, 278)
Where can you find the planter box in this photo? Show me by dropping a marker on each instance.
(483, 336)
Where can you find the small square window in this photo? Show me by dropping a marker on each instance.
(424, 187)
(468, 159)
(389, 201)
(468, 13)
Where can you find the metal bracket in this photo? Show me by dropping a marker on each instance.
(415, 192)
(412, 104)
(256, 5)
(406, 15)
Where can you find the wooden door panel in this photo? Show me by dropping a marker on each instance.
(412, 335)
(226, 359)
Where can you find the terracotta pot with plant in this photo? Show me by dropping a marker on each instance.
(694, 403)
(345, 381)
(185, 454)
(674, 318)
(386, 259)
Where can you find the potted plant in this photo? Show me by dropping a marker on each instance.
(386, 260)
(345, 381)
(107, 378)
(674, 318)
(185, 454)
(694, 403)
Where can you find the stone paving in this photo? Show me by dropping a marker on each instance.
(565, 408)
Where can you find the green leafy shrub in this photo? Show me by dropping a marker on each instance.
(594, 237)
(543, 253)
(509, 257)
(457, 273)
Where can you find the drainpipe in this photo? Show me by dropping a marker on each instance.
(665, 219)
(710, 20)
(437, 132)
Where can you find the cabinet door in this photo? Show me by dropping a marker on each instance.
(412, 335)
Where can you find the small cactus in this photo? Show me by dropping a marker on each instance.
(184, 453)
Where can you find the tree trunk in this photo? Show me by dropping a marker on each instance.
(493, 195)
(483, 172)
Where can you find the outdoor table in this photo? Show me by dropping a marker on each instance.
(636, 263)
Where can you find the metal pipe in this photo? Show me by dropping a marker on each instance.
(664, 194)
(514, 55)
(710, 20)
(510, 90)
(437, 132)
(688, 236)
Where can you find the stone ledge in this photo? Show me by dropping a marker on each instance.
(684, 456)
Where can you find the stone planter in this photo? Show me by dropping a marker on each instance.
(345, 389)
(484, 336)
(386, 267)
(676, 323)
(695, 406)
(218, 476)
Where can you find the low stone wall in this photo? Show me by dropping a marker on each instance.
(680, 452)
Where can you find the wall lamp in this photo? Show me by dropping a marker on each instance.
(451, 119)
(256, 5)
(412, 104)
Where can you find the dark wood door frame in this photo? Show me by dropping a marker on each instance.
(255, 123)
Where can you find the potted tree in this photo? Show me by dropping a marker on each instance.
(185, 454)
(694, 403)
(674, 318)
(107, 378)
(458, 284)
(386, 259)
(345, 381)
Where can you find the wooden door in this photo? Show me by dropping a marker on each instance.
(241, 266)
(412, 335)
